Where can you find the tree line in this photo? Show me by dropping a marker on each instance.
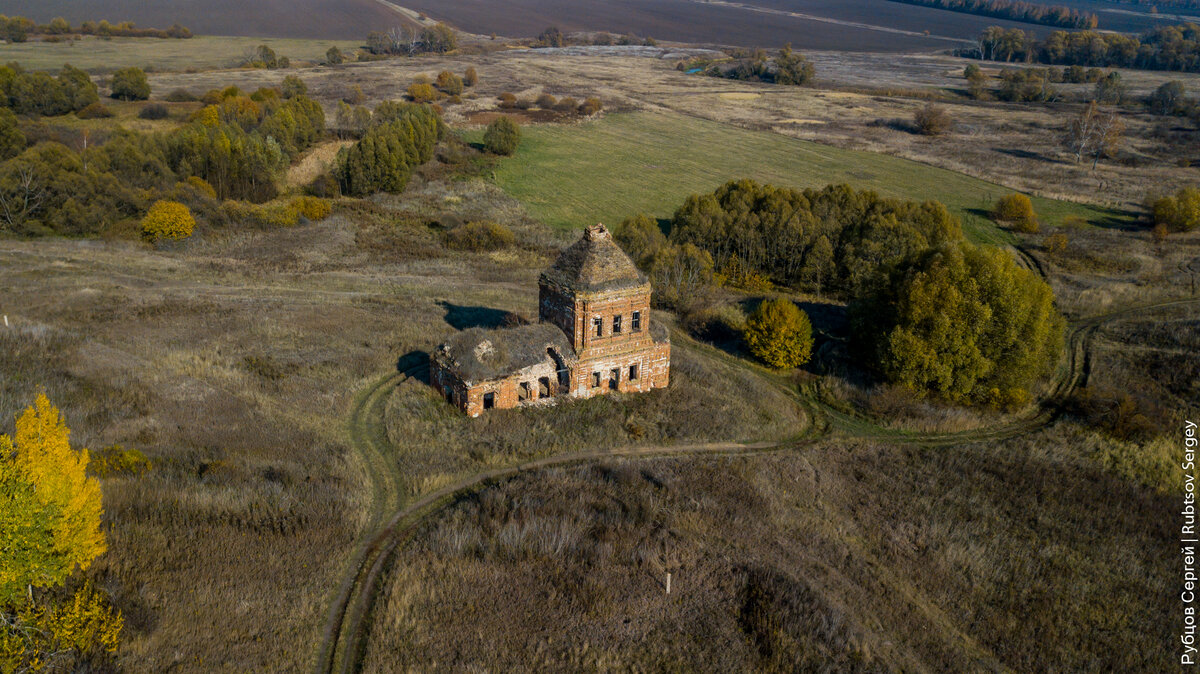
(1166, 48)
(19, 28)
(1028, 12)
(407, 41)
(929, 310)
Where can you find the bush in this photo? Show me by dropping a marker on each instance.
(334, 56)
(95, 111)
(181, 96)
(470, 77)
(153, 111)
(292, 87)
(963, 323)
(313, 209)
(201, 185)
(567, 104)
(449, 83)
(168, 220)
(116, 460)
(932, 120)
(422, 93)
(324, 186)
(480, 236)
(590, 106)
(546, 101)
(1017, 210)
(503, 136)
(507, 99)
(1056, 244)
(130, 84)
(1180, 212)
(779, 334)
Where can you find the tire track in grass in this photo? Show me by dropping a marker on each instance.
(346, 633)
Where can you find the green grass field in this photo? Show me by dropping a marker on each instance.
(203, 52)
(629, 163)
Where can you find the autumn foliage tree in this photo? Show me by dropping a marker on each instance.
(50, 526)
(1179, 212)
(961, 323)
(168, 220)
(1017, 210)
(779, 334)
(50, 521)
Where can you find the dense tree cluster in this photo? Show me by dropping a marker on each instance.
(1179, 212)
(831, 239)
(787, 67)
(406, 41)
(1014, 10)
(19, 28)
(39, 93)
(1165, 48)
(402, 137)
(963, 323)
(234, 147)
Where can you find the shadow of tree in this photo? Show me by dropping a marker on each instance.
(462, 317)
(416, 362)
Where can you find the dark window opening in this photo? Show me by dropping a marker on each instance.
(616, 325)
(523, 392)
(449, 394)
(595, 380)
(633, 372)
(599, 323)
(544, 387)
(635, 321)
(489, 401)
(614, 378)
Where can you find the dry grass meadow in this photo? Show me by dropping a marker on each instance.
(252, 365)
(1018, 556)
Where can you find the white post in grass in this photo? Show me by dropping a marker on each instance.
(6, 320)
(668, 582)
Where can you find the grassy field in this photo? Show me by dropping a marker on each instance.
(642, 162)
(199, 53)
(624, 164)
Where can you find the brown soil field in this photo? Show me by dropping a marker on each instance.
(329, 19)
(726, 23)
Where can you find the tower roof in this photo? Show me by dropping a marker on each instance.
(595, 262)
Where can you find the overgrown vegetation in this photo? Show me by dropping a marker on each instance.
(1166, 48)
(963, 323)
(402, 137)
(19, 28)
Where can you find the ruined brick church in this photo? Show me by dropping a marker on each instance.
(594, 336)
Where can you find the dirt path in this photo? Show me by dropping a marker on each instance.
(344, 639)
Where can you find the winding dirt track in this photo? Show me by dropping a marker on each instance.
(344, 638)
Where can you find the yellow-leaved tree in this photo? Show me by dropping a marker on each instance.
(49, 526)
(168, 220)
(50, 522)
(779, 334)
